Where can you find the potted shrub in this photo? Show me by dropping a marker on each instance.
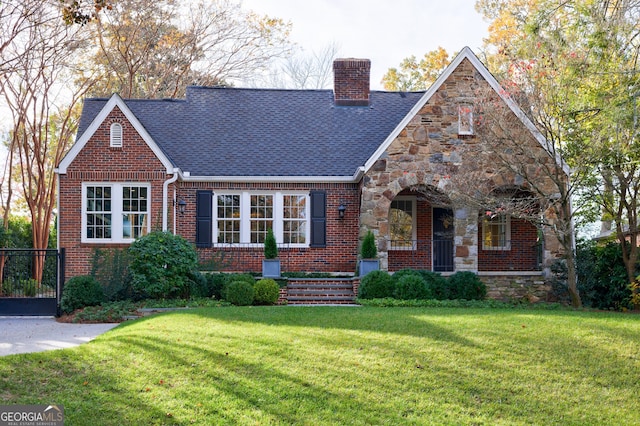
(369, 255)
(270, 263)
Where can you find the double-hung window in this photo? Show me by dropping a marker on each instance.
(245, 217)
(115, 212)
(496, 232)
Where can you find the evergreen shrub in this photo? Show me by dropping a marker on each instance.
(79, 292)
(411, 287)
(266, 292)
(239, 293)
(466, 285)
(375, 285)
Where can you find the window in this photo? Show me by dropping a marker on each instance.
(134, 211)
(465, 119)
(115, 212)
(245, 217)
(115, 140)
(261, 217)
(228, 219)
(496, 232)
(402, 223)
(294, 220)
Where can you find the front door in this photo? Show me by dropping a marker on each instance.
(442, 239)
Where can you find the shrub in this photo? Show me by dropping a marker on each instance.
(110, 267)
(160, 264)
(7, 288)
(436, 285)
(466, 285)
(410, 287)
(266, 292)
(375, 285)
(229, 278)
(270, 246)
(79, 292)
(29, 287)
(199, 286)
(403, 273)
(215, 284)
(239, 293)
(368, 250)
(602, 277)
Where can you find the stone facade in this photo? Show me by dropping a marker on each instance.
(424, 159)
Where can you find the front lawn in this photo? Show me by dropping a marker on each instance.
(338, 365)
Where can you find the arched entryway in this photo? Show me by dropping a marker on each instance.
(421, 230)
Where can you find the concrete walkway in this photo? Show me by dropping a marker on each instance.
(36, 334)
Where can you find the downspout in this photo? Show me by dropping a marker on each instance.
(165, 195)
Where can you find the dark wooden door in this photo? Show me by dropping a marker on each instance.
(442, 239)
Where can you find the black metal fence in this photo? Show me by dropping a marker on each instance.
(30, 281)
(438, 255)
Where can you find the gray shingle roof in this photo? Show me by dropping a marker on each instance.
(264, 132)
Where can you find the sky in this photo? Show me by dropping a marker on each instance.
(384, 31)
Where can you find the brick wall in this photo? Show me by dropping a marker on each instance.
(97, 162)
(523, 252)
(339, 255)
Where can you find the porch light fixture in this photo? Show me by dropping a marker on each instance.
(341, 209)
(182, 205)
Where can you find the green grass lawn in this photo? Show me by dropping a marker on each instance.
(333, 365)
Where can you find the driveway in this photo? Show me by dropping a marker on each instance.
(36, 334)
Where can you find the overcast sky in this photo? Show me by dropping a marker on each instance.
(384, 31)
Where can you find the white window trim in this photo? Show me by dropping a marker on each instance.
(245, 217)
(414, 209)
(507, 235)
(116, 212)
(115, 135)
(462, 128)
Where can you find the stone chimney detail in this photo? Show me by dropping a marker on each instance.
(351, 81)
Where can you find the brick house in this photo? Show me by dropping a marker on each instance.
(321, 167)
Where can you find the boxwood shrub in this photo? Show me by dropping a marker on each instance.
(376, 284)
(410, 287)
(466, 285)
(239, 293)
(266, 292)
(79, 292)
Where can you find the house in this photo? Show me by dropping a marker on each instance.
(320, 167)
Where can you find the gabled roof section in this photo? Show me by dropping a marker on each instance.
(468, 54)
(233, 134)
(97, 111)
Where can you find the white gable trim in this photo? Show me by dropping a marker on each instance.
(114, 101)
(466, 53)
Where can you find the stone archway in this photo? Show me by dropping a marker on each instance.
(379, 190)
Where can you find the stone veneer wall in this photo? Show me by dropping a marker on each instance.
(423, 157)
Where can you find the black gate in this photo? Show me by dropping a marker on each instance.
(31, 281)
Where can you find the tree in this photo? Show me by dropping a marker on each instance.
(83, 11)
(413, 75)
(155, 48)
(304, 70)
(591, 49)
(43, 111)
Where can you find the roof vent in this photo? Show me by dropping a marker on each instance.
(351, 81)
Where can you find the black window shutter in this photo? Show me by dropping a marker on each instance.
(318, 219)
(204, 218)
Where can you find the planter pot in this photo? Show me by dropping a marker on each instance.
(271, 268)
(368, 265)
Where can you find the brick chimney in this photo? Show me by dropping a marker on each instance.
(351, 81)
